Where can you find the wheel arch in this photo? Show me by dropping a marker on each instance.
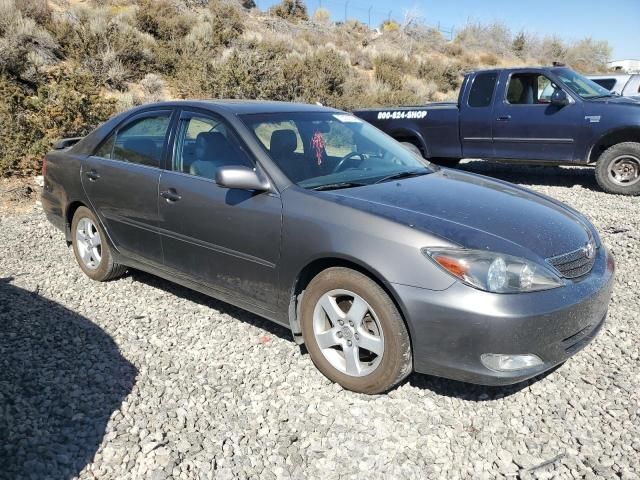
(611, 138)
(317, 265)
(70, 211)
(412, 136)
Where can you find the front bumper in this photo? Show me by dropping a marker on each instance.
(451, 329)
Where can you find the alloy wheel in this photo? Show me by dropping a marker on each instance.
(348, 333)
(89, 243)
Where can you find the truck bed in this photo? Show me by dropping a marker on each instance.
(434, 120)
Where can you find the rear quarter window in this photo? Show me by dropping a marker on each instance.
(482, 89)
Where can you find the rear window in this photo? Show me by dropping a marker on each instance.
(607, 83)
(481, 94)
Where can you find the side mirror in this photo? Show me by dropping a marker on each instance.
(243, 178)
(560, 98)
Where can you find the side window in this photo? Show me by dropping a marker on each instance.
(481, 94)
(204, 144)
(529, 89)
(273, 130)
(142, 141)
(106, 148)
(607, 83)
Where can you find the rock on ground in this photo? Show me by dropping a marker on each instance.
(140, 378)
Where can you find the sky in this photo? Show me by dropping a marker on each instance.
(617, 22)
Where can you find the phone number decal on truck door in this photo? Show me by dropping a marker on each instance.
(401, 115)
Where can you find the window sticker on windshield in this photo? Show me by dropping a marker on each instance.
(346, 118)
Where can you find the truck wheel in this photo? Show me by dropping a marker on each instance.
(445, 162)
(618, 169)
(354, 332)
(91, 248)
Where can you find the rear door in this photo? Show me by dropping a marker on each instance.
(476, 112)
(121, 181)
(526, 126)
(225, 239)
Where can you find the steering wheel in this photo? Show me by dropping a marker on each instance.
(345, 159)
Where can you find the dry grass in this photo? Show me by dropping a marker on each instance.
(107, 55)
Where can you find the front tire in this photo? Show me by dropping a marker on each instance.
(354, 333)
(91, 248)
(618, 169)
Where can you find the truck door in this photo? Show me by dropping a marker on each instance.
(526, 126)
(475, 113)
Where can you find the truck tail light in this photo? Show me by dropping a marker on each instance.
(44, 166)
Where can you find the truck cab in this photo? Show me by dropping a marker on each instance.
(544, 115)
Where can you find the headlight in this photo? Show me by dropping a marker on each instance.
(493, 272)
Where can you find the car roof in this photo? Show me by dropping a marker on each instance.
(520, 69)
(244, 107)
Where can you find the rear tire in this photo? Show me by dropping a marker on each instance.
(354, 333)
(618, 169)
(91, 247)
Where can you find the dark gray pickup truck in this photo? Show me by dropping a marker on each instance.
(547, 115)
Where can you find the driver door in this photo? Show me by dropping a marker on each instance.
(226, 239)
(527, 126)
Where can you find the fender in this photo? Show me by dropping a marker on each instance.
(409, 132)
(327, 260)
(612, 137)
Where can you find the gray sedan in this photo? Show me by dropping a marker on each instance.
(378, 261)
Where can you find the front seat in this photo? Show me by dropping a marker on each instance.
(282, 147)
(212, 152)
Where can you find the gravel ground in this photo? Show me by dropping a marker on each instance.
(139, 378)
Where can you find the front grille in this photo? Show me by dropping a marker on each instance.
(574, 264)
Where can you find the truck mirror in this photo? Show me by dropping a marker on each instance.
(560, 98)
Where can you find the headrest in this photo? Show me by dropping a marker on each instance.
(211, 140)
(283, 142)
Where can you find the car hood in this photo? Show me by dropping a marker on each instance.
(474, 212)
(635, 101)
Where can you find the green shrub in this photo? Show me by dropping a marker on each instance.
(447, 75)
(390, 70)
(227, 23)
(162, 18)
(318, 77)
(292, 10)
(255, 71)
(25, 47)
(67, 104)
(38, 10)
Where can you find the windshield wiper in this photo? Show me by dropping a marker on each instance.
(405, 174)
(337, 186)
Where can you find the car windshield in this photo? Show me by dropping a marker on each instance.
(582, 86)
(327, 150)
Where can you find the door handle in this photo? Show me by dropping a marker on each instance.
(504, 118)
(92, 175)
(171, 195)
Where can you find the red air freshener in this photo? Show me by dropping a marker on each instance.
(317, 143)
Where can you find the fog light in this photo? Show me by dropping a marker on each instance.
(509, 363)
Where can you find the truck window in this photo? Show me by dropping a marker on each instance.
(481, 94)
(529, 89)
(607, 83)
